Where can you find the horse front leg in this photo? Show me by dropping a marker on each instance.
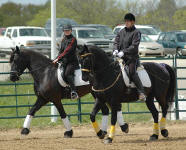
(113, 123)
(97, 106)
(38, 104)
(105, 115)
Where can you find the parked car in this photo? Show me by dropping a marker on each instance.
(90, 36)
(105, 30)
(148, 47)
(174, 41)
(26, 37)
(158, 30)
(142, 28)
(2, 31)
(60, 22)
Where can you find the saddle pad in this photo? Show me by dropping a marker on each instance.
(143, 75)
(77, 78)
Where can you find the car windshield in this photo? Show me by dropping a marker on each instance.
(148, 31)
(117, 30)
(105, 30)
(90, 34)
(32, 32)
(146, 39)
(181, 37)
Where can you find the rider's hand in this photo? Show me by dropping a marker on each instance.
(120, 54)
(115, 52)
(55, 61)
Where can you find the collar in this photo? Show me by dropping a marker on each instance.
(130, 29)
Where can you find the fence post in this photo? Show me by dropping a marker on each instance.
(53, 47)
(15, 89)
(79, 110)
(176, 96)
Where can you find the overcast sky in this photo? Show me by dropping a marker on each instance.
(37, 2)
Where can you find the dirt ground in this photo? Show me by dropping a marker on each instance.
(84, 139)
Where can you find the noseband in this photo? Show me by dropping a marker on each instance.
(83, 56)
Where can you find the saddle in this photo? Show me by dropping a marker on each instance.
(142, 73)
(77, 77)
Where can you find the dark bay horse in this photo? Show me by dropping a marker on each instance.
(48, 89)
(107, 80)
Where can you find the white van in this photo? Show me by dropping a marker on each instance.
(142, 28)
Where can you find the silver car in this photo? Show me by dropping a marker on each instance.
(148, 47)
(91, 36)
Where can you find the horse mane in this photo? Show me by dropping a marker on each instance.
(98, 52)
(104, 57)
(38, 55)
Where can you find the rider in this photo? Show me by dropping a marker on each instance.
(126, 47)
(67, 57)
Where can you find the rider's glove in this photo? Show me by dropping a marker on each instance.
(115, 52)
(120, 54)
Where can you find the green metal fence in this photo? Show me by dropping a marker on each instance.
(16, 96)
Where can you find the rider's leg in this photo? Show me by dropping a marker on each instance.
(136, 80)
(69, 74)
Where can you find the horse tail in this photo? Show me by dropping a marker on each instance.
(172, 85)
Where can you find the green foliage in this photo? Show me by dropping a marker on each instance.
(12, 14)
(165, 13)
(179, 19)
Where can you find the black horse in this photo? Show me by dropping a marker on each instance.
(106, 77)
(47, 87)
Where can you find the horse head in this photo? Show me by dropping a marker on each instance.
(18, 64)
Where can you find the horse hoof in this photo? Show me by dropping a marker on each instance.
(125, 128)
(101, 134)
(108, 140)
(153, 137)
(68, 134)
(25, 131)
(164, 133)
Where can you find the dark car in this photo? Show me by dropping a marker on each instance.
(105, 30)
(174, 41)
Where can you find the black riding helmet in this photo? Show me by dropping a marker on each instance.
(67, 27)
(129, 17)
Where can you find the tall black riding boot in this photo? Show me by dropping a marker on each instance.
(139, 86)
(74, 94)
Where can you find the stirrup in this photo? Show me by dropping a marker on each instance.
(74, 95)
(142, 97)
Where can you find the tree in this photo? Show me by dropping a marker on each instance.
(16, 14)
(83, 11)
(179, 19)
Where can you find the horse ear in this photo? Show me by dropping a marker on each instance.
(13, 49)
(17, 50)
(85, 48)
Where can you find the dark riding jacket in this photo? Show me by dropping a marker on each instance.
(67, 53)
(127, 40)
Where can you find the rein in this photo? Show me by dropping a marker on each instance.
(107, 88)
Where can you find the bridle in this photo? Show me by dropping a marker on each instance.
(85, 69)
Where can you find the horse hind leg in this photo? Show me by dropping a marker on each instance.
(164, 107)
(123, 125)
(38, 104)
(155, 113)
(69, 132)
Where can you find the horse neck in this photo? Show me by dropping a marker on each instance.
(107, 75)
(38, 68)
